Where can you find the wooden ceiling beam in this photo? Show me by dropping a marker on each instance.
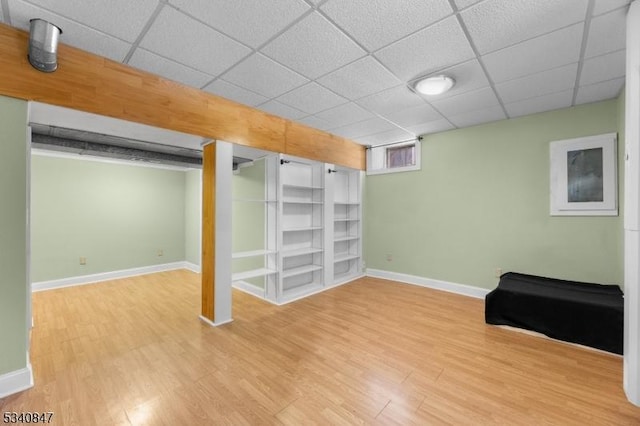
(94, 84)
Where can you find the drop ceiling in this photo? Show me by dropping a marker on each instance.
(348, 66)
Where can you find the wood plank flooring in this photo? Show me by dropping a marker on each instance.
(133, 351)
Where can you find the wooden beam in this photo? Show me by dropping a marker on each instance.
(208, 266)
(307, 142)
(91, 83)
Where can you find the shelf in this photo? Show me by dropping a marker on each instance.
(346, 203)
(253, 253)
(253, 200)
(245, 275)
(304, 228)
(288, 185)
(344, 257)
(300, 252)
(301, 202)
(346, 238)
(342, 219)
(300, 270)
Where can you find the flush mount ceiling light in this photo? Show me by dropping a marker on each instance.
(435, 85)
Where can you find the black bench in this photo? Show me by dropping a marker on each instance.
(588, 314)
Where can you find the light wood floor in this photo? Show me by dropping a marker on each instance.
(133, 351)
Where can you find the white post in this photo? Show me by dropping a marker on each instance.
(632, 209)
(224, 174)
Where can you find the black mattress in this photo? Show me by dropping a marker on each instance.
(588, 314)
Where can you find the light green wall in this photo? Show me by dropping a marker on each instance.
(13, 240)
(192, 207)
(117, 216)
(248, 226)
(481, 202)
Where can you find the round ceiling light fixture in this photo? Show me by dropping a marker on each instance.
(435, 85)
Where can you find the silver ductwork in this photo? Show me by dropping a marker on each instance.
(43, 45)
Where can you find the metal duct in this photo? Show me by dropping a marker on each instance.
(43, 45)
(53, 143)
(81, 142)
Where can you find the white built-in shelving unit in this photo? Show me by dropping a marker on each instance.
(261, 277)
(302, 225)
(347, 224)
(313, 230)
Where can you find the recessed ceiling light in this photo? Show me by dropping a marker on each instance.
(436, 85)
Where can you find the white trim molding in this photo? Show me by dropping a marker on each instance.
(192, 267)
(462, 289)
(631, 363)
(16, 381)
(214, 324)
(249, 288)
(107, 276)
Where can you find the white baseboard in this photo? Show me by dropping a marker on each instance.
(214, 324)
(462, 289)
(251, 289)
(345, 280)
(106, 276)
(320, 290)
(16, 381)
(192, 267)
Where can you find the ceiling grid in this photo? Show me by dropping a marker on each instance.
(349, 66)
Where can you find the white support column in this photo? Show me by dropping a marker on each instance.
(224, 174)
(632, 209)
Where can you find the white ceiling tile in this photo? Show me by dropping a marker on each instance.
(344, 114)
(414, 116)
(438, 46)
(312, 98)
(602, 6)
(607, 33)
(376, 23)
(495, 24)
(124, 19)
(315, 122)
(599, 91)
(431, 127)
(551, 81)
(468, 76)
(153, 63)
(396, 135)
(74, 34)
(182, 39)
(250, 21)
(313, 47)
(540, 104)
(541, 53)
(461, 4)
(363, 128)
(264, 76)
(235, 93)
(281, 110)
(605, 67)
(391, 100)
(360, 78)
(472, 118)
(470, 101)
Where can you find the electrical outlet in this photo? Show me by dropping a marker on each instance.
(83, 260)
(389, 257)
(498, 272)
(160, 252)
